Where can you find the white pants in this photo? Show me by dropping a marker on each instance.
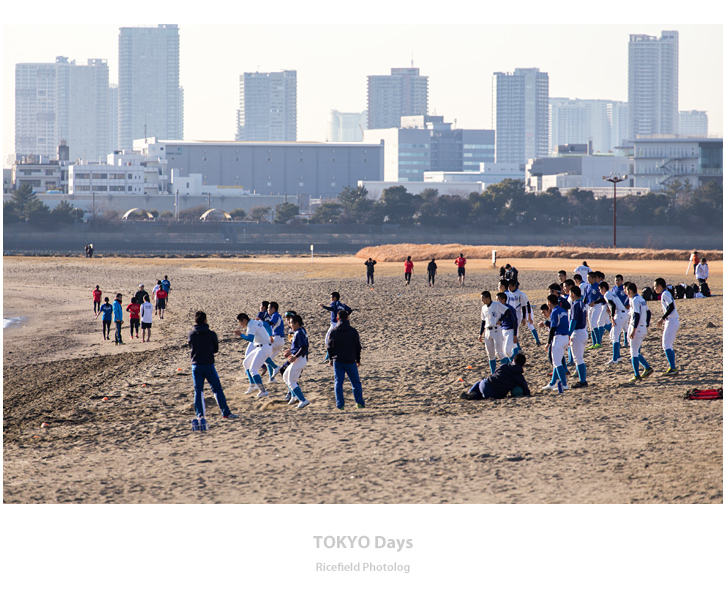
(494, 343)
(255, 359)
(327, 335)
(669, 333)
(591, 317)
(559, 347)
(292, 373)
(637, 340)
(603, 318)
(578, 340)
(620, 320)
(277, 345)
(508, 341)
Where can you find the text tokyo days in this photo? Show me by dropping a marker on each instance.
(362, 541)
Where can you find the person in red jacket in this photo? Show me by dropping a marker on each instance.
(134, 310)
(408, 270)
(96, 301)
(161, 295)
(460, 262)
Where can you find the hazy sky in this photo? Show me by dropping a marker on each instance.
(333, 60)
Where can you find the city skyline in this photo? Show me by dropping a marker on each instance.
(332, 73)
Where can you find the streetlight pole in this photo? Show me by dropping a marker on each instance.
(615, 180)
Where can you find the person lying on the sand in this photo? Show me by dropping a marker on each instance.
(507, 378)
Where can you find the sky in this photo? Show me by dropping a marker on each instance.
(333, 61)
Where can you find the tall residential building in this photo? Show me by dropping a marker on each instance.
(113, 116)
(150, 100)
(347, 127)
(653, 84)
(267, 107)
(693, 123)
(402, 93)
(62, 100)
(619, 120)
(598, 122)
(520, 107)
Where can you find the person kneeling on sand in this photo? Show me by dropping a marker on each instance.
(507, 378)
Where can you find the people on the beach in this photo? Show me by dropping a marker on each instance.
(408, 270)
(578, 335)
(335, 307)
(106, 310)
(618, 318)
(701, 271)
(637, 328)
(147, 312)
(370, 268)
(134, 310)
(204, 345)
(278, 338)
(160, 297)
(344, 350)
(431, 271)
(97, 293)
(118, 318)
(166, 284)
(490, 332)
(669, 322)
(139, 295)
(507, 379)
(259, 334)
(460, 269)
(297, 358)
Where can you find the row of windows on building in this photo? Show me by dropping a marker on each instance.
(670, 152)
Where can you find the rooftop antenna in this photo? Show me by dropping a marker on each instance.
(412, 59)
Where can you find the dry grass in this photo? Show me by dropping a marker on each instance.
(421, 252)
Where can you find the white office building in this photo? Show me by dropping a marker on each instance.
(653, 84)
(267, 107)
(575, 121)
(150, 99)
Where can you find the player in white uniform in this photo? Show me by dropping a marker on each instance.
(259, 333)
(618, 315)
(637, 328)
(519, 299)
(577, 316)
(583, 270)
(603, 321)
(490, 333)
(278, 335)
(669, 322)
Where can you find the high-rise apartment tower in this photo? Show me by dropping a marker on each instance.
(402, 93)
(267, 107)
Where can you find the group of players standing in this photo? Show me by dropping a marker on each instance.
(572, 305)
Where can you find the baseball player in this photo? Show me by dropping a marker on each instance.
(518, 298)
(593, 299)
(578, 335)
(259, 334)
(637, 328)
(335, 306)
(490, 333)
(583, 270)
(278, 335)
(603, 322)
(557, 343)
(297, 356)
(509, 329)
(617, 313)
(669, 322)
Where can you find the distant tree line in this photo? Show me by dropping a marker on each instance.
(502, 204)
(507, 203)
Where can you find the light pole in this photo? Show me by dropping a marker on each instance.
(615, 179)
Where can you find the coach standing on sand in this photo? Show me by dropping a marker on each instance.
(344, 351)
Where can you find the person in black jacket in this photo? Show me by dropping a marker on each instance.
(344, 352)
(507, 378)
(204, 345)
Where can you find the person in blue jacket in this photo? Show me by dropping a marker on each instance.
(107, 311)
(118, 318)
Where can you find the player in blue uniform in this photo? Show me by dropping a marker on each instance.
(557, 343)
(509, 329)
(593, 299)
(107, 311)
(278, 335)
(297, 357)
(335, 306)
(578, 335)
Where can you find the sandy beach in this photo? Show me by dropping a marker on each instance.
(118, 418)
